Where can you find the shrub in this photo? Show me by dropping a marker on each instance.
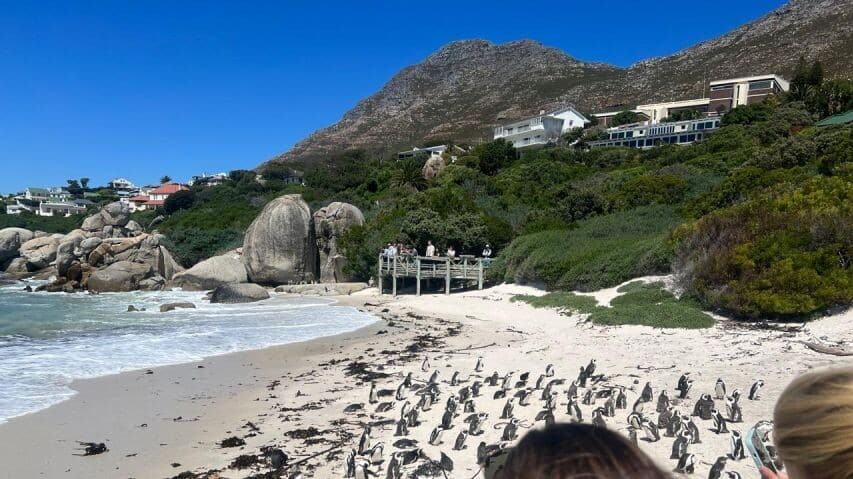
(180, 200)
(785, 253)
(599, 252)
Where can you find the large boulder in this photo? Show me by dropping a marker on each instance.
(11, 240)
(212, 272)
(89, 244)
(331, 223)
(280, 246)
(116, 214)
(66, 255)
(93, 223)
(119, 276)
(39, 252)
(433, 167)
(113, 214)
(151, 251)
(239, 293)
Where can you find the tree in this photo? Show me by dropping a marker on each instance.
(495, 155)
(625, 117)
(180, 200)
(165, 179)
(408, 174)
(84, 183)
(74, 188)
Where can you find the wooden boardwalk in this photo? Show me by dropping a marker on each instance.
(466, 268)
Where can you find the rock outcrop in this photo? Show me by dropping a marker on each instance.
(223, 269)
(39, 252)
(165, 308)
(11, 240)
(433, 167)
(119, 276)
(322, 289)
(331, 222)
(109, 253)
(239, 293)
(280, 245)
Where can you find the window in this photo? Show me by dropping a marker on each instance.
(700, 126)
(760, 85)
(629, 134)
(682, 139)
(632, 143)
(691, 137)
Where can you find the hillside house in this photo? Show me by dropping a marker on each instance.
(155, 197)
(542, 129)
(656, 127)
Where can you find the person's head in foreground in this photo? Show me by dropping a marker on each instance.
(813, 428)
(575, 451)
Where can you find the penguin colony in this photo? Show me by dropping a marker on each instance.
(654, 415)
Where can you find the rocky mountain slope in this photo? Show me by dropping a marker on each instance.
(465, 88)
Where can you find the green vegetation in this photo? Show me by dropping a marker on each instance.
(624, 117)
(597, 253)
(755, 219)
(48, 224)
(646, 304)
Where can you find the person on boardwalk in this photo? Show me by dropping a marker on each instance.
(430, 249)
(487, 254)
(451, 253)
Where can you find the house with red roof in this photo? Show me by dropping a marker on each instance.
(155, 197)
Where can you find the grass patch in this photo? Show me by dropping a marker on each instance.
(642, 304)
(560, 300)
(600, 252)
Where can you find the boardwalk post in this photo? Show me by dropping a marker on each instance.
(394, 278)
(418, 276)
(379, 274)
(447, 276)
(480, 275)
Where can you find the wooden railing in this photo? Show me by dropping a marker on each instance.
(463, 267)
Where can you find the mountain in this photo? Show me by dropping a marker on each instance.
(467, 87)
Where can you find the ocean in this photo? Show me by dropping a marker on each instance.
(48, 340)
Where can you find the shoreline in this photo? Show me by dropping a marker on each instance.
(310, 396)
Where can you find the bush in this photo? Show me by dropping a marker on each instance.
(600, 252)
(785, 253)
(180, 200)
(639, 303)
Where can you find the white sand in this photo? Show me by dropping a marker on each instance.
(216, 401)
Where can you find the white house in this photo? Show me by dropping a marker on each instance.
(60, 208)
(542, 129)
(121, 184)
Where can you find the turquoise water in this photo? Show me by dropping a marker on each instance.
(48, 340)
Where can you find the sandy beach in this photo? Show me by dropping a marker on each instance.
(313, 397)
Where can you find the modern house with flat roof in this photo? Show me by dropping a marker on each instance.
(657, 112)
(704, 114)
(542, 129)
(729, 94)
(649, 135)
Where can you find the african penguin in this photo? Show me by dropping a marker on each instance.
(717, 469)
(479, 366)
(459, 444)
(686, 464)
(435, 436)
(720, 389)
(756, 387)
(736, 451)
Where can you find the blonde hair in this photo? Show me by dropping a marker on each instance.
(814, 423)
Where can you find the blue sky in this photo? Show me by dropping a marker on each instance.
(147, 88)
